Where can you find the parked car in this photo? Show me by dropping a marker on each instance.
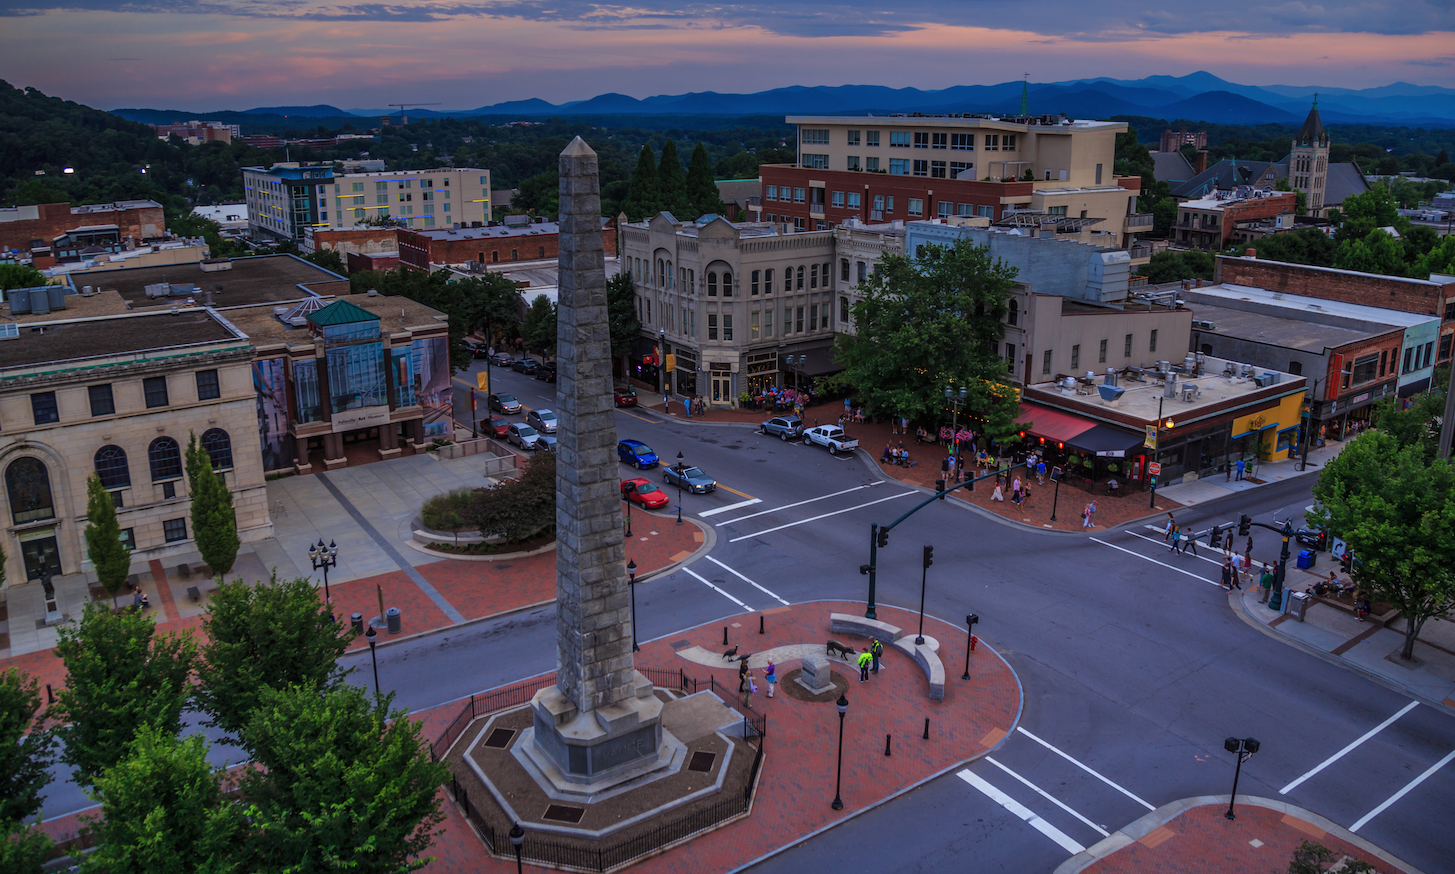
(522, 435)
(525, 365)
(504, 402)
(498, 425)
(542, 420)
(832, 437)
(546, 442)
(625, 397)
(637, 454)
(690, 478)
(477, 349)
(644, 492)
(546, 372)
(786, 427)
(501, 359)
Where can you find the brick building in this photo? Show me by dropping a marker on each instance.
(1174, 140)
(24, 228)
(1210, 222)
(518, 238)
(380, 261)
(348, 241)
(199, 132)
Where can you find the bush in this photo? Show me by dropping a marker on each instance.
(519, 509)
(450, 512)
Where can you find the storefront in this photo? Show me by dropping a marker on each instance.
(684, 371)
(762, 372)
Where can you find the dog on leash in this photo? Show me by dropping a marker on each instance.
(845, 652)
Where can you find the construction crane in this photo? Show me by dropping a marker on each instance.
(403, 106)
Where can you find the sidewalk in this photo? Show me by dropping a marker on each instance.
(1192, 836)
(1199, 491)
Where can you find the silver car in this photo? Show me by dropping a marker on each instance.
(522, 435)
(542, 420)
(691, 479)
(784, 427)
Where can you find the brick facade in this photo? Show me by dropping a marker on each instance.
(364, 241)
(140, 220)
(869, 185)
(420, 249)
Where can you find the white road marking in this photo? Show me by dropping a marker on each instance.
(1046, 795)
(719, 591)
(1350, 748)
(713, 512)
(788, 506)
(1025, 813)
(1403, 792)
(748, 581)
(1085, 768)
(1155, 561)
(1163, 543)
(822, 516)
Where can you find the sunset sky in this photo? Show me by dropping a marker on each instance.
(236, 54)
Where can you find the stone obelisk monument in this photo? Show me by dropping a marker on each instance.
(600, 724)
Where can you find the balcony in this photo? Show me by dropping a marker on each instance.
(816, 210)
(876, 215)
(1141, 221)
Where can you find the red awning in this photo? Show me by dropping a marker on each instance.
(1052, 424)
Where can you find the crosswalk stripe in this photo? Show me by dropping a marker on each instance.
(1020, 810)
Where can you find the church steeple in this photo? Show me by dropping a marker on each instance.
(1026, 95)
(1313, 135)
(1308, 163)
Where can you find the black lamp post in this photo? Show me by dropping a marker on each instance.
(372, 637)
(628, 517)
(323, 558)
(679, 488)
(969, 635)
(843, 705)
(1152, 501)
(1056, 475)
(924, 571)
(631, 568)
(1244, 747)
(517, 838)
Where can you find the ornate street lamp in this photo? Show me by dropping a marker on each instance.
(843, 707)
(631, 568)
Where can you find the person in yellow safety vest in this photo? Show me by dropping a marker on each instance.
(865, 660)
(876, 651)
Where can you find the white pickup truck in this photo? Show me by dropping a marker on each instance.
(831, 436)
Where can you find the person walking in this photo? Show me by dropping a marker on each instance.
(1167, 532)
(1228, 574)
(1190, 542)
(1265, 582)
(1086, 518)
(997, 495)
(771, 675)
(1091, 513)
(1238, 565)
(1176, 539)
(1240, 468)
(864, 661)
(1040, 471)
(876, 651)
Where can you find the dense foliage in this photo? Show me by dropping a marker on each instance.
(214, 520)
(25, 748)
(621, 313)
(109, 556)
(489, 301)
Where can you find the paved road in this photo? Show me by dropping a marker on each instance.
(1135, 667)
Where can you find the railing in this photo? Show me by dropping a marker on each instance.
(876, 215)
(815, 209)
(1138, 220)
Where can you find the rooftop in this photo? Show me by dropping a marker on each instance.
(253, 280)
(1286, 331)
(1040, 123)
(112, 207)
(530, 230)
(73, 339)
(1220, 199)
(1305, 308)
(396, 315)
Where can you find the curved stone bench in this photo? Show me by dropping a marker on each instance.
(844, 623)
(926, 655)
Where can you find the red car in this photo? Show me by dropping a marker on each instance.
(499, 425)
(625, 397)
(643, 492)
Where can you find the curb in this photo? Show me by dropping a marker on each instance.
(1140, 828)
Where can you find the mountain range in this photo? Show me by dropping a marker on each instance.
(1197, 97)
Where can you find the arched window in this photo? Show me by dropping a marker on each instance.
(29, 485)
(1295, 368)
(863, 272)
(768, 281)
(165, 458)
(788, 278)
(670, 274)
(661, 273)
(711, 284)
(727, 283)
(111, 467)
(1013, 312)
(219, 448)
(800, 277)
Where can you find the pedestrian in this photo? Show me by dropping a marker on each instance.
(746, 685)
(1247, 547)
(686, 407)
(1176, 538)
(1040, 471)
(771, 675)
(1228, 574)
(1191, 543)
(1238, 560)
(1265, 582)
(1240, 468)
(864, 661)
(1167, 532)
(1361, 605)
(1086, 517)
(1015, 486)
(996, 494)
(876, 651)
(1091, 513)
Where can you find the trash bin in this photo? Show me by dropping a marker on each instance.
(392, 617)
(1307, 558)
(1297, 605)
(356, 622)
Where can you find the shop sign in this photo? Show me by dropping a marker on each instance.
(361, 417)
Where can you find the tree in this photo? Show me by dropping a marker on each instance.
(345, 783)
(1376, 252)
(540, 325)
(1440, 259)
(108, 554)
(539, 195)
(25, 747)
(23, 850)
(670, 181)
(195, 462)
(1305, 246)
(518, 509)
(1395, 508)
(644, 196)
(20, 276)
(273, 635)
(702, 194)
(121, 675)
(328, 259)
(1164, 213)
(492, 302)
(1171, 265)
(621, 314)
(1419, 424)
(214, 521)
(1300, 199)
(927, 324)
(163, 811)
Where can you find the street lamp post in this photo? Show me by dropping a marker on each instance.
(662, 360)
(1276, 601)
(1056, 476)
(843, 706)
(372, 637)
(1152, 501)
(323, 558)
(956, 399)
(679, 488)
(631, 569)
(628, 518)
(517, 838)
(929, 559)
(1243, 747)
(1308, 429)
(969, 638)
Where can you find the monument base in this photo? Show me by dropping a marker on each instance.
(589, 753)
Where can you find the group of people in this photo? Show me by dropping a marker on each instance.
(746, 684)
(691, 406)
(895, 455)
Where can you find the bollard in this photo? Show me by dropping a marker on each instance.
(927, 728)
(760, 624)
(724, 635)
(886, 745)
(973, 640)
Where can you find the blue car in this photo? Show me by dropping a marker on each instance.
(637, 454)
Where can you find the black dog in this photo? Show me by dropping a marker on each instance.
(834, 646)
(728, 655)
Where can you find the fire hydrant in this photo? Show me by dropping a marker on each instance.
(973, 641)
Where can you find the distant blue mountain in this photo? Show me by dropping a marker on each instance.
(319, 111)
(1224, 107)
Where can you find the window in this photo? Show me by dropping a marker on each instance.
(1012, 312)
(165, 458)
(844, 269)
(937, 169)
(962, 142)
(853, 138)
(921, 139)
(1365, 368)
(838, 199)
(1295, 368)
(813, 276)
(916, 206)
(800, 277)
(111, 467)
(863, 271)
(1127, 346)
(1056, 210)
(852, 162)
(985, 211)
(43, 407)
(771, 192)
(1450, 311)
(816, 136)
(1429, 351)
(992, 142)
(939, 140)
(1101, 353)
(871, 138)
(787, 321)
(727, 283)
(798, 195)
(964, 209)
(899, 139)
(28, 483)
(814, 161)
(712, 326)
(1152, 342)
(756, 276)
(854, 202)
(207, 387)
(128, 539)
(1383, 360)
(812, 316)
(174, 530)
(712, 284)
(871, 164)
(844, 310)
(788, 280)
(727, 326)
(1075, 357)
(649, 310)
(1098, 174)
(768, 281)
(798, 322)
(1046, 361)
(1010, 357)
(755, 325)
(943, 208)
(219, 448)
(921, 168)
(898, 166)
(1008, 143)
(1445, 346)
(767, 323)
(155, 389)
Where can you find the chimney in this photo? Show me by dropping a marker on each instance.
(1201, 160)
(1251, 253)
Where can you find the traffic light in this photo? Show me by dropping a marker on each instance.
(883, 538)
(1245, 525)
(865, 569)
(929, 555)
(1215, 539)
(940, 487)
(1346, 561)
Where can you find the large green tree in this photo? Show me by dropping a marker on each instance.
(23, 849)
(1306, 246)
(214, 521)
(928, 323)
(109, 556)
(702, 194)
(644, 194)
(1395, 507)
(1171, 265)
(272, 635)
(120, 675)
(25, 747)
(20, 276)
(540, 325)
(621, 313)
(671, 183)
(345, 784)
(163, 811)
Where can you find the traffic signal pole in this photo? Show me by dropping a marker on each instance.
(1245, 526)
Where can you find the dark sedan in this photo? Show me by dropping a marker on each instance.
(525, 365)
(504, 403)
(691, 479)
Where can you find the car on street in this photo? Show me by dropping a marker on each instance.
(625, 397)
(785, 427)
(644, 492)
(542, 420)
(504, 402)
(501, 359)
(497, 426)
(477, 349)
(525, 365)
(546, 372)
(637, 454)
(691, 479)
(546, 442)
(832, 437)
(522, 435)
